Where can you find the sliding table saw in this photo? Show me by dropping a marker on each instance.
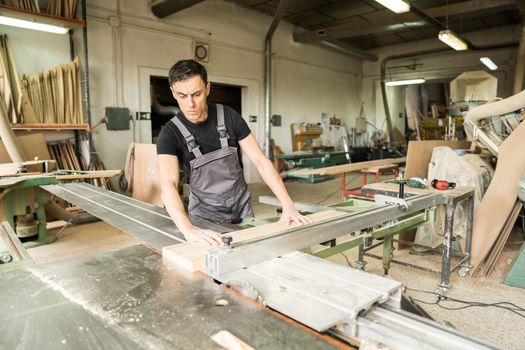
(272, 295)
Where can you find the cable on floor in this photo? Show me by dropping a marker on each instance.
(468, 304)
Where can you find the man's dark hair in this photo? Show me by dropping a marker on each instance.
(185, 69)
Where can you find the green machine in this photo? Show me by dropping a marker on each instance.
(23, 217)
(312, 160)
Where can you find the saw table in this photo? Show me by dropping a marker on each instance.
(275, 297)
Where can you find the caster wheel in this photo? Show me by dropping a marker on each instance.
(463, 272)
(4, 259)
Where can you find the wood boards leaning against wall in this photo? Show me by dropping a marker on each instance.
(56, 94)
(53, 96)
(58, 8)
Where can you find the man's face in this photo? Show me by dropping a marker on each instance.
(191, 95)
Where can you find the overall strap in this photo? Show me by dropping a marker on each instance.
(190, 140)
(221, 126)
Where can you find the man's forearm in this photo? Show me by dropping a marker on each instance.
(175, 208)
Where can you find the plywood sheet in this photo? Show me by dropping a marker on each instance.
(146, 183)
(190, 255)
(420, 152)
(496, 206)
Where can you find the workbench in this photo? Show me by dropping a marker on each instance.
(452, 198)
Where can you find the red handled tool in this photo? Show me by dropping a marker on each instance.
(442, 184)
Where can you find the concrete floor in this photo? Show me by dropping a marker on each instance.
(500, 327)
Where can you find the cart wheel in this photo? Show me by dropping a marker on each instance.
(4, 259)
(463, 272)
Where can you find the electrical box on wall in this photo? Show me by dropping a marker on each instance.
(276, 120)
(117, 118)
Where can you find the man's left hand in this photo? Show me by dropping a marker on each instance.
(291, 215)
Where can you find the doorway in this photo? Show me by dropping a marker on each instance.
(164, 106)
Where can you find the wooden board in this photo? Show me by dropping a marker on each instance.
(497, 248)
(33, 146)
(190, 255)
(96, 174)
(346, 168)
(496, 206)
(146, 183)
(420, 152)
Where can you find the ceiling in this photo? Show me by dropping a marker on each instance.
(365, 25)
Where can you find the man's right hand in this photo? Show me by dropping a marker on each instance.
(209, 237)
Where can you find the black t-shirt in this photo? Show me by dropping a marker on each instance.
(171, 141)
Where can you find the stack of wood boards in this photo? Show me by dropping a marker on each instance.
(28, 5)
(58, 8)
(56, 94)
(64, 154)
(502, 238)
(191, 255)
(14, 104)
(62, 8)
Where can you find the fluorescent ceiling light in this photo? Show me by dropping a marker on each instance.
(397, 6)
(488, 62)
(14, 22)
(404, 82)
(452, 40)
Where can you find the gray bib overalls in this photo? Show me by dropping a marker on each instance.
(218, 191)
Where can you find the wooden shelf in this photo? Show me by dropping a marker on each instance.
(14, 12)
(49, 126)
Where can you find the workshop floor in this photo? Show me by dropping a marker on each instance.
(498, 326)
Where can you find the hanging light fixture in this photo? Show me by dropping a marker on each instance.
(404, 82)
(489, 63)
(397, 6)
(451, 39)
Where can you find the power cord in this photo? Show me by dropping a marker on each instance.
(442, 298)
(347, 260)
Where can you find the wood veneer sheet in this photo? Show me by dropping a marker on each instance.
(497, 204)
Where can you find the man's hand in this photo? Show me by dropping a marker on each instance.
(209, 237)
(290, 215)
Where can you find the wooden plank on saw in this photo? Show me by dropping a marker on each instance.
(346, 168)
(190, 255)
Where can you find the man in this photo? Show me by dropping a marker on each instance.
(206, 138)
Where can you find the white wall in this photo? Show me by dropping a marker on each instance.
(446, 65)
(307, 80)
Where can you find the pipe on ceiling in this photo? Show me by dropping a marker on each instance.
(268, 74)
(520, 64)
(162, 9)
